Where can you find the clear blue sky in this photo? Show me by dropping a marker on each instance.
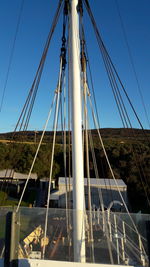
(34, 26)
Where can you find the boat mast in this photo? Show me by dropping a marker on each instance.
(77, 148)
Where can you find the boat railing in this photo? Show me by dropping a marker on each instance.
(115, 238)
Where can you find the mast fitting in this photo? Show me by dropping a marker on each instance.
(80, 7)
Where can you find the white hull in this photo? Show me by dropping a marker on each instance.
(45, 263)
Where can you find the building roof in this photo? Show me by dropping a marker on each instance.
(11, 174)
(54, 195)
(101, 182)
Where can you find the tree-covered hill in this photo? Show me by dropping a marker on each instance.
(111, 133)
(128, 151)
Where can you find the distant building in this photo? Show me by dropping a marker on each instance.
(16, 179)
(108, 188)
(11, 174)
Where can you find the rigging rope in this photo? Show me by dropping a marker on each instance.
(38, 148)
(126, 121)
(132, 62)
(87, 159)
(113, 77)
(25, 115)
(82, 33)
(11, 54)
(63, 122)
(85, 120)
(124, 117)
(112, 174)
(104, 50)
(69, 148)
(57, 98)
(100, 194)
(94, 118)
(58, 92)
(86, 91)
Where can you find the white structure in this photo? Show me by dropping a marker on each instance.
(108, 188)
(77, 148)
(41, 263)
(12, 175)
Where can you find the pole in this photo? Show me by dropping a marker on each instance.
(12, 239)
(77, 150)
(117, 238)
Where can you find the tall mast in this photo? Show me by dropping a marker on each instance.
(77, 148)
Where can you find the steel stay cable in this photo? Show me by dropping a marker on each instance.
(38, 148)
(63, 129)
(39, 70)
(103, 49)
(114, 86)
(90, 72)
(83, 34)
(69, 134)
(122, 86)
(64, 140)
(32, 101)
(129, 100)
(69, 141)
(87, 161)
(135, 157)
(42, 62)
(100, 196)
(100, 193)
(106, 62)
(95, 163)
(111, 76)
(137, 160)
(63, 122)
(63, 53)
(85, 119)
(106, 65)
(110, 81)
(65, 157)
(12, 53)
(132, 62)
(117, 92)
(96, 127)
(37, 78)
(58, 92)
(108, 162)
(31, 94)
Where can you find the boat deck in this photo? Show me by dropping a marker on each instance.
(115, 240)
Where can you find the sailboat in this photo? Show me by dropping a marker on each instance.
(77, 236)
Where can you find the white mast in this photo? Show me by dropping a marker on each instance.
(77, 149)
